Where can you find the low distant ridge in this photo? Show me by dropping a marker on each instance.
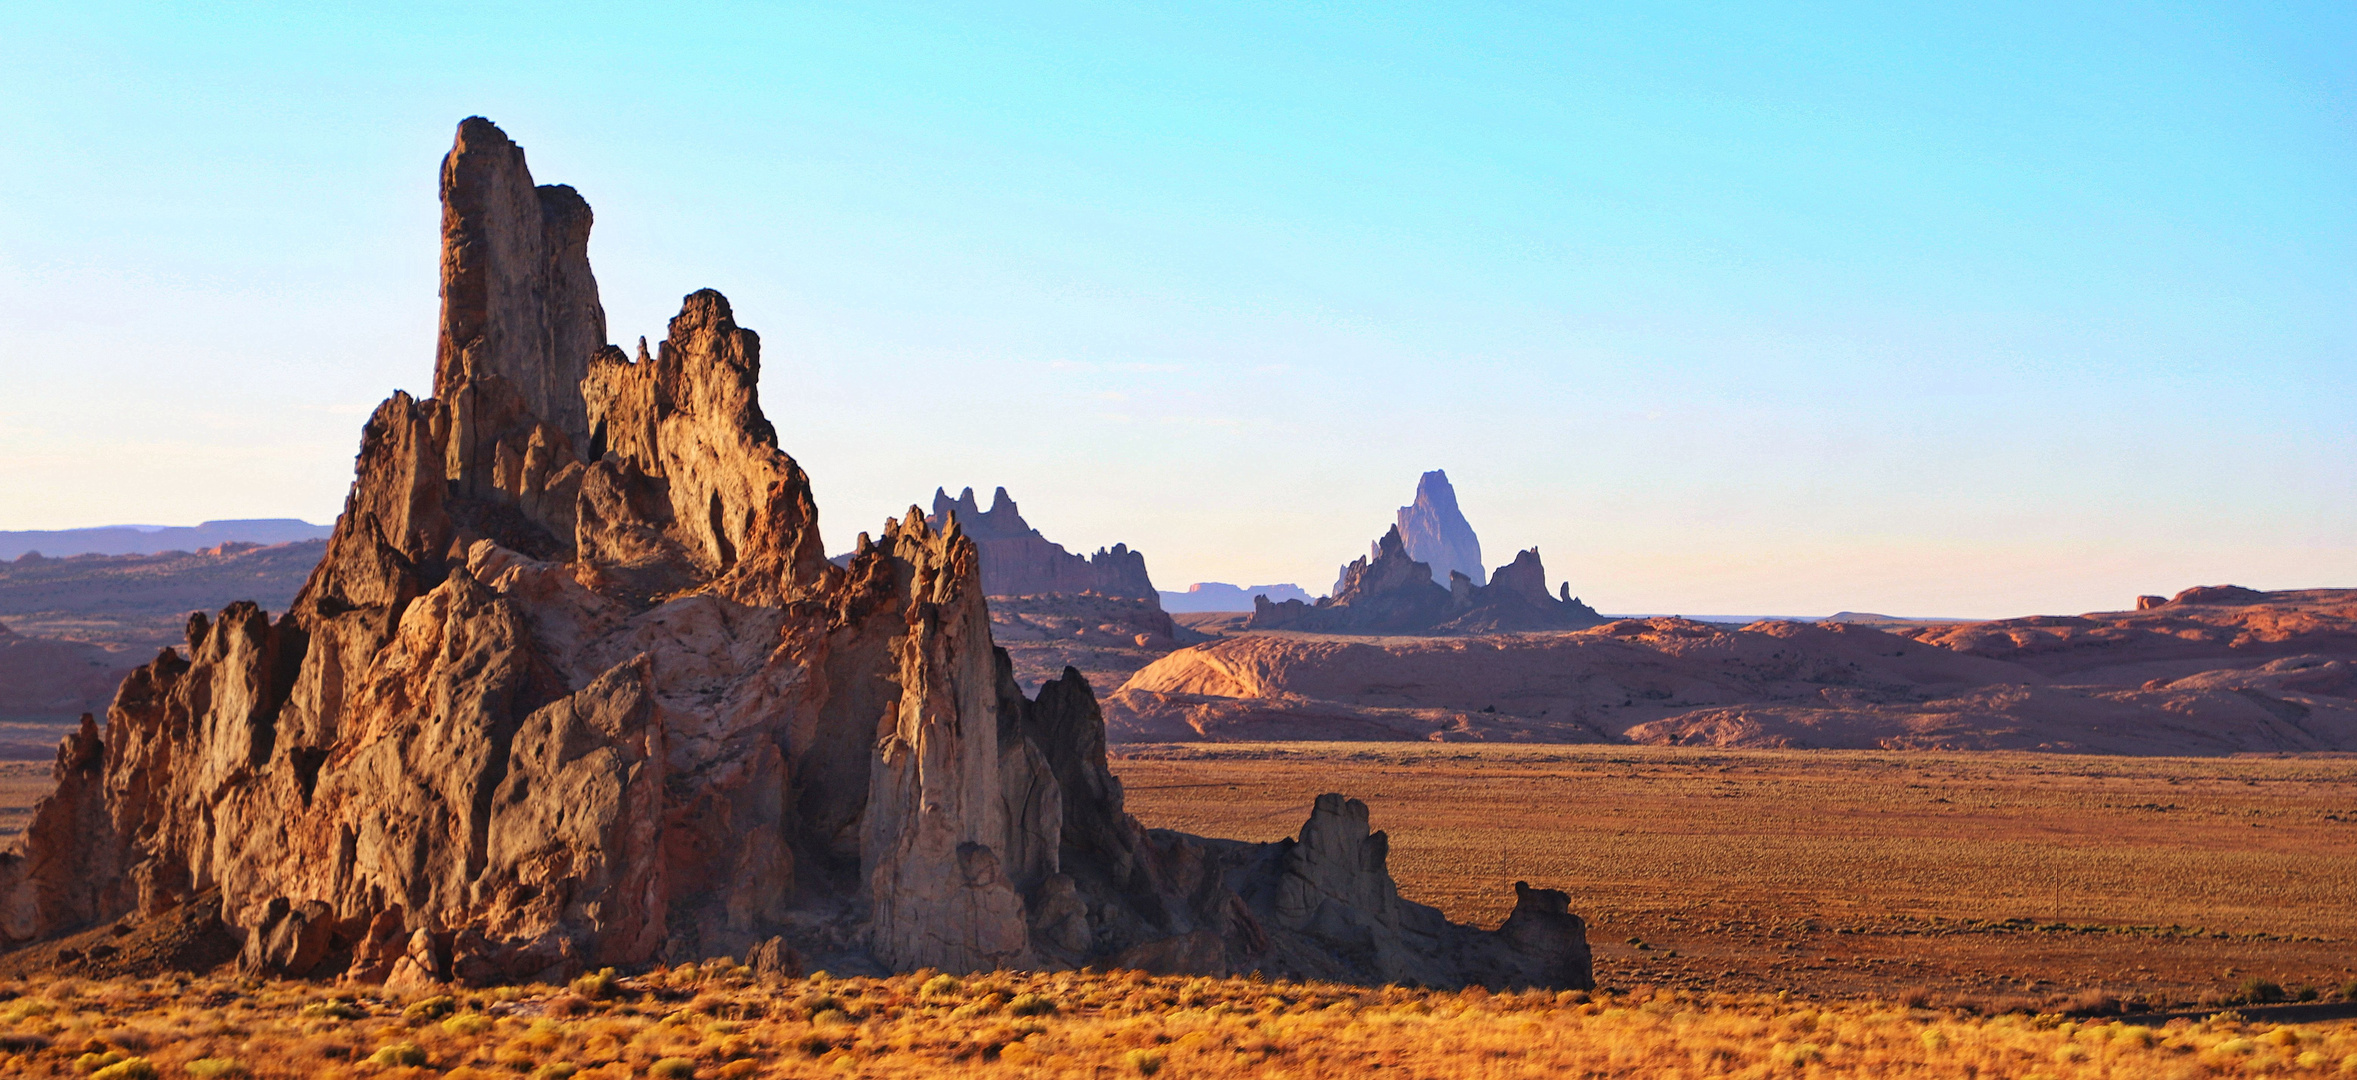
(1221, 596)
(153, 539)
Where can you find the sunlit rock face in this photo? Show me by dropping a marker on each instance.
(575, 686)
(1436, 533)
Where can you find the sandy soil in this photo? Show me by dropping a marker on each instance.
(1844, 874)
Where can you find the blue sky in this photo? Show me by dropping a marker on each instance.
(1728, 310)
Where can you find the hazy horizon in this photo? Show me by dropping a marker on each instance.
(1970, 314)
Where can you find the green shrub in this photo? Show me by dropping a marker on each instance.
(2260, 991)
(137, 1068)
(330, 1010)
(404, 1053)
(208, 1068)
(941, 986)
(433, 1008)
(1031, 1005)
(673, 1068)
(556, 1070)
(601, 985)
(1146, 1062)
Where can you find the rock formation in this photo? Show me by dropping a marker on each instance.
(1390, 592)
(1018, 561)
(1436, 532)
(575, 686)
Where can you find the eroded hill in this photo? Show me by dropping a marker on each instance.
(2210, 672)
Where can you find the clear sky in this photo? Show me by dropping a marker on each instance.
(1728, 308)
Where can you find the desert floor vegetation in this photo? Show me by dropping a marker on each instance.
(717, 1020)
(1996, 881)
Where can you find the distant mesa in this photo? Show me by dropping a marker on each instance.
(152, 539)
(1221, 596)
(1018, 561)
(2223, 595)
(1436, 532)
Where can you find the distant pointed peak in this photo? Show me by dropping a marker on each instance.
(1000, 500)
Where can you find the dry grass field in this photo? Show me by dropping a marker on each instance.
(1991, 879)
(1756, 914)
(716, 1021)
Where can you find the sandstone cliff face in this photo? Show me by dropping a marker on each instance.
(1436, 532)
(1390, 592)
(574, 686)
(1018, 561)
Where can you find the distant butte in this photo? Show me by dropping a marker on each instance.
(1436, 533)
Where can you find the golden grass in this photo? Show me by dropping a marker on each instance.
(718, 1021)
(2013, 879)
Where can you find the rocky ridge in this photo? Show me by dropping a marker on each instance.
(1390, 592)
(574, 686)
(1018, 561)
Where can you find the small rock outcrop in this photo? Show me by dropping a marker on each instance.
(1436, 532)
(1018, 561)
(575, 686)
(1390, 592)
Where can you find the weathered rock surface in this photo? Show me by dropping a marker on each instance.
(1390, 592)
(1018, 561)
(574, 686)
(2199, 678)
(1437, 534)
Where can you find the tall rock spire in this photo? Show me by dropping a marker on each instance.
(518, 300)
(575, 686)
(1437, 533)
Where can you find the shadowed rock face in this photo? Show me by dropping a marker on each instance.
(1018, 561)
(1436, 532)
(575, 686)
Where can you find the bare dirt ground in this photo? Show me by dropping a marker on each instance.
(1998, 878)
(21, 782)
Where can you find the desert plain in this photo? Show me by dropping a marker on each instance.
(1988, 879)
(1752, 912)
